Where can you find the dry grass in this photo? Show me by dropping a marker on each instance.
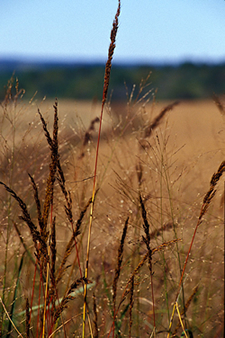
(172, 179)
(135, 243)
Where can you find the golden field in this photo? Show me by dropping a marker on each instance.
(176, 161)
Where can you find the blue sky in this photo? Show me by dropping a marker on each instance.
(149, 30)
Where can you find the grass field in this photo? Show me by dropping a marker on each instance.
(171, 169)
(112, 216)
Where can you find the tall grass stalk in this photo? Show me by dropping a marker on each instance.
(104, 97)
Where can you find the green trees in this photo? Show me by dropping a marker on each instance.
(84, 81)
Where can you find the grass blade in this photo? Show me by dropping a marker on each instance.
(104, 96)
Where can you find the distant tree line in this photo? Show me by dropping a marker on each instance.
(85, 81)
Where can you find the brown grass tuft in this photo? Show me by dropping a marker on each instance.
(119, 262)
(27, 219)
(110, 54)
(68, 296)
(219, 104)
(157, 120)
(52, 292)
(53, 143)
(146, 239)
(71, 243)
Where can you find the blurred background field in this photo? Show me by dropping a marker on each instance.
(178, 159)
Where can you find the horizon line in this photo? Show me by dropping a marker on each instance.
(117, 61)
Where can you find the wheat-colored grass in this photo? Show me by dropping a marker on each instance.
(137, 242)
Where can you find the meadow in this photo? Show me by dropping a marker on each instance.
(171, 168)
(115, 231)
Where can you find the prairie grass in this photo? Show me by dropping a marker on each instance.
(132, 246)
(130, 166)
